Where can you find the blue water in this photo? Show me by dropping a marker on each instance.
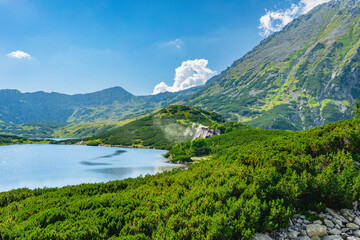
(44, 165)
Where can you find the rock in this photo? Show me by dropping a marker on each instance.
(344, 235)
(260, 236)
(357, 233)
(337, 216)
(352, 226)
(315, 238)
(345, 229)
(303, 232)
(352, 238)
(337, 222)
(335, 231)
(317, 222)
(346, 213)
(293, 234)
(305, 238)
(333, 237)
(329, 223)
(316, 230)
(357, 221)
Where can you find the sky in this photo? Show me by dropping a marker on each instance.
(144, 46)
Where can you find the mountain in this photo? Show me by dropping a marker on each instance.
(112, 103)
(161, 129)
(303, 76)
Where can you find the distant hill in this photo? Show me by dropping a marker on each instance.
(161, 129)
(112, 103)
(303, 76)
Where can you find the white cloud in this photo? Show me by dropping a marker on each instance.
(274, 21)
(19, 55)
(190, 74)
(177, 43)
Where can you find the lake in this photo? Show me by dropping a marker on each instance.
(46, 165)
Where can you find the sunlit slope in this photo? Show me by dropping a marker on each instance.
(303, 76)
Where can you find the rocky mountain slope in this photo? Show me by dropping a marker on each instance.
(303, 76)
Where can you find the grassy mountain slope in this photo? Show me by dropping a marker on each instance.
(303, 76)
(244, 188)
(162, 129)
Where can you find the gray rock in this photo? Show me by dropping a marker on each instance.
(316, 230)
(260, 236)
(337, 216)
(346, 213)
(303, 232)
(352, 238)
(332, 237)
(335, 231)
(315, 238)
(329, 223)
(317, 222)
(293, 234)
(337, 222)
(357, 233)
(344, 235)
(345, 229)
(352, 226)
(305, 238)
(357, 221)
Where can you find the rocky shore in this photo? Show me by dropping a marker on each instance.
(330, 225)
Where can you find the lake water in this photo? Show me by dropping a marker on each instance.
(40, 165)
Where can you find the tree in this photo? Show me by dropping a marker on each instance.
(356, 111)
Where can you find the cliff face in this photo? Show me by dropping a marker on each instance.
(205, 132)
(303, 76)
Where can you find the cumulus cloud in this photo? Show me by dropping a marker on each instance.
(19, 55)
(190, 74)
(274, 21)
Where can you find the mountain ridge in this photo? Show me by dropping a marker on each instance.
(301, 77)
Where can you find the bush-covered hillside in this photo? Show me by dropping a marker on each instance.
(163, 129)
(251, 184)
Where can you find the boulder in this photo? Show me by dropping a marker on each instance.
(260, 236)
(316, 230)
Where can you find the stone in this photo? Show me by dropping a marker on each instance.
(337, 222)
(337, 216)
(303, 232)
(293, 234)
(352, 238)
(315, 238)
(352, 226)
(335, 231)
(260, 236)
(344, 235)
(317, 222)
(305, 238)
(346, 213)
(357, 233)
(345, 229)
(316, 230)
(332, 237)
(329, 223)
(357, 221)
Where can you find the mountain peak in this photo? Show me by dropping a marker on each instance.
(303, 76)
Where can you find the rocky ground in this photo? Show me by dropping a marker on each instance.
(330, 225)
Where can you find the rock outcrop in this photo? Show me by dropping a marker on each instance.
(205, 132)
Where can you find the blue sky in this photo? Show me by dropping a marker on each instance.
(79, 46)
